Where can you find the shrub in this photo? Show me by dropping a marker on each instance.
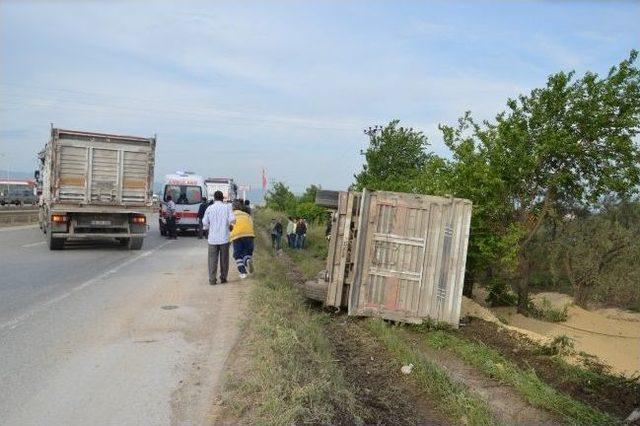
(500, 294)
(548, 312)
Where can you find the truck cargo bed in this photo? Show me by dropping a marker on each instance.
(94, 169)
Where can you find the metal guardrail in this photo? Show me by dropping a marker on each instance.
(18, 217)
(14, 208)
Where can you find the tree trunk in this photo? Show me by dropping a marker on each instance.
(582, 292)
(522, 283)
(523, 299)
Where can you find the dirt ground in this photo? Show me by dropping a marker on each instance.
(386, 396)
(389, 397)
(611, 335)
(616, 396)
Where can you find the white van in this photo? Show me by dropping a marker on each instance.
(186, 190)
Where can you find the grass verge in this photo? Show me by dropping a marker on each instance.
(527, 383)
(589, 382)
(453, 399)
(290, 376)
(313, 257)
(450, 398)
(458, 402)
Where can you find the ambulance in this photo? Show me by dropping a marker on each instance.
(186, 190)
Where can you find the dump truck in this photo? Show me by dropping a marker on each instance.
(394, 255)
(95, 186)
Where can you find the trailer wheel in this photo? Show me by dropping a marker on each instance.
(135, 243)
(55, 243)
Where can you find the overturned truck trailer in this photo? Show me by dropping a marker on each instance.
(396, 256)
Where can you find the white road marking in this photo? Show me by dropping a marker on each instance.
(10, 325)
(39, 243)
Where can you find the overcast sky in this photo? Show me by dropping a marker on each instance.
(231, 87)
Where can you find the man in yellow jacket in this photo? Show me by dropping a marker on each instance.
(241, 237)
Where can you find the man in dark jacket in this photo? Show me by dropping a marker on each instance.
(276, 234)
(301, 233)
(201, 210)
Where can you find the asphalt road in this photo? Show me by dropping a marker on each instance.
(97, 334)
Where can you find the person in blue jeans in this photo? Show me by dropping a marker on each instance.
(242, 236)
(276, 234)
(291, 232)
(301, 233)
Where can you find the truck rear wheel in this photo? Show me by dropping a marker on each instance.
(55, 243)
(135, 243)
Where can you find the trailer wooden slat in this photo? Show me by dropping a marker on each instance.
(398, 256)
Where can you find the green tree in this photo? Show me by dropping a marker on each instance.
(280, 198)
(311, 212)
(394, 158)
(309, 195)
(468, 174)
(599, 255)
(559, 149)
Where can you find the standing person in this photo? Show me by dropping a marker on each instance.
(201, 210)
(242, 237)
(301, 233)
(171, 218)
(276, 234)
(219, 220)
(327, 230)
(247, 206)
(291, 232)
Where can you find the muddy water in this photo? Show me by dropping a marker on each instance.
(611, 335)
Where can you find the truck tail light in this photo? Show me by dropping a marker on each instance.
(139, 218)
(59, 218)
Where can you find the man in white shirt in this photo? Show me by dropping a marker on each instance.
(171, 218)
(218, 219)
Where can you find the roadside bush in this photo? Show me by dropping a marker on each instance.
(548, 312)
(562, 344)
(500, 294)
